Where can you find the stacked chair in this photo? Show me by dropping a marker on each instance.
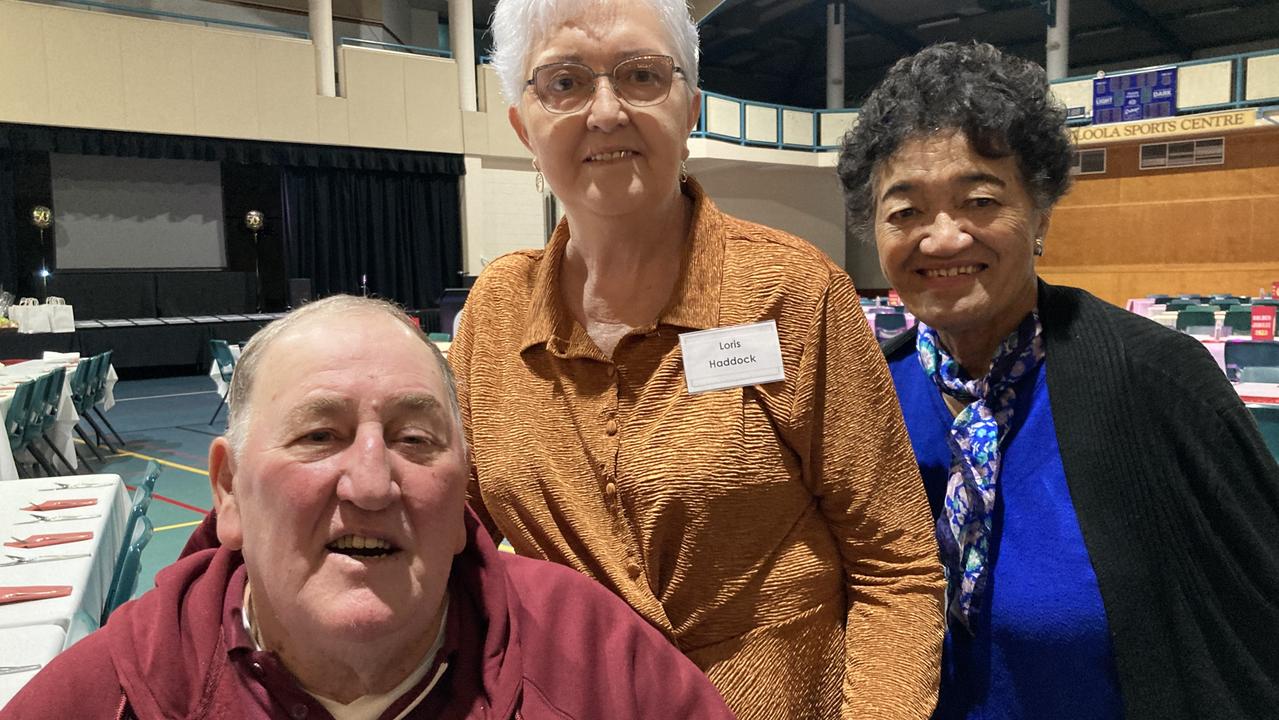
(138, 531)
(88, 389)
(31, 417)
(226, 366)
(15, 426)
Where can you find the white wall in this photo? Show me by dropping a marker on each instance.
(803, 201)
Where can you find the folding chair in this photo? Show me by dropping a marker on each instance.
(137, 514)
(81, 394)
(44, 411)
(226, 367)
(16, 420)
(130, 567)
(102, 370)
(89, 396)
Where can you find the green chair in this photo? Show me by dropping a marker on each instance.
(439, 337)
(142, 495)
(1196, 318)
(1179, 304)
(226, 367)
(1267, 417)
(82, 397)
(1238, 319)
(1224, 303)
(88, 396)
(125, 582)
(16, 420)
(1243, 354)
(101, 371)
(45, 400)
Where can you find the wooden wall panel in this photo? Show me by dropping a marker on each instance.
(1133, 232)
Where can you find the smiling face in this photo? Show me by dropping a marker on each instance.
(955, 233)
(609, 158)
(347, 495)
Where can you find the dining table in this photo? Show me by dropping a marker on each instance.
(64, 533)
(63, 432)
(24, 651)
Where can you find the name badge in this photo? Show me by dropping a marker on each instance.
(730, 357)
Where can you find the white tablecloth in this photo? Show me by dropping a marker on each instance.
(1255, 393)
(31, 645)
(63, 433)
(43, 318)
(90, 578)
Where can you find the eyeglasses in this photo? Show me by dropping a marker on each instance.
(567, 87)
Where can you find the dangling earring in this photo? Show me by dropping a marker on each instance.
(683, 171)
(1039, 246)
(539, 182)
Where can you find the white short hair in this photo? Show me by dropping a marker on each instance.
(519, 25)
(239, 395)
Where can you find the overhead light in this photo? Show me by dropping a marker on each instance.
(1095, 32)
(937, 23)
(1214, 11)
(971, 10)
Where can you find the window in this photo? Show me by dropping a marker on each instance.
(1088, 162)
(1183, 153)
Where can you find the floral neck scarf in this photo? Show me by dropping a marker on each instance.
(964, 525)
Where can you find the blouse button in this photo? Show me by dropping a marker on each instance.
(610, 492)
(257, 669)
(612, 370)
(610, 427)
(298, 711)
(633, 570)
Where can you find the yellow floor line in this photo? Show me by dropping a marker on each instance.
(162, 528)
(166, 463)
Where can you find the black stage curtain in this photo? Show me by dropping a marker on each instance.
(40, 138)
(401, 230)
(400, 225)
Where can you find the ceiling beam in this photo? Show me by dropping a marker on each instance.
(902, 39)
(701, 9)
(1143, 19)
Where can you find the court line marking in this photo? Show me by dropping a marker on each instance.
(166, 463)
(170, 395)
(162, 528)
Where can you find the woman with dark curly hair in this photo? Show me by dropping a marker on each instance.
(1106, 510)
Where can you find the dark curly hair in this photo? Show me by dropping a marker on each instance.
(1000, 102)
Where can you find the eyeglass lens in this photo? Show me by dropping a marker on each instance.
(640, 81)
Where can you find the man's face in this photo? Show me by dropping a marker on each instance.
(347, 497)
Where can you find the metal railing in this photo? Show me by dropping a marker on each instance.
(761, 124)
(167, 15)
(395, 47)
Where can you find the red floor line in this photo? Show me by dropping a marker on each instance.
(171, 501)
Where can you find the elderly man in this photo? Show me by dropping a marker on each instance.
(351, 581)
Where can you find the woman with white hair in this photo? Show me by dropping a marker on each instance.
(749, 490)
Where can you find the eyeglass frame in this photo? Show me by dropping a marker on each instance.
(612, 82)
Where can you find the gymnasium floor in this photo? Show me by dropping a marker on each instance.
(167, 420)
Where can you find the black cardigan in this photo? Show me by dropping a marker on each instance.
(1178, 500)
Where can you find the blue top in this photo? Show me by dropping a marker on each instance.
(1041, 646)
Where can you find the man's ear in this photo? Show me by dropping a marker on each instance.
(221, 480)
